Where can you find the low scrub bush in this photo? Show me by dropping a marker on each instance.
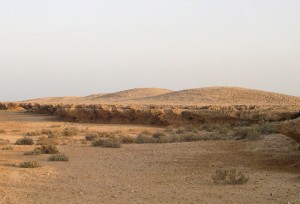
(158, 135)
(169, 129)
(30, 164)
(127, 139)
(109, 143)
(70, 131)
(47, 149)
(7, 148)
(25, 141)
(2, 131)
(58, 157)
(47, 141)
(33, 152)
(33, 133)
(231, 176)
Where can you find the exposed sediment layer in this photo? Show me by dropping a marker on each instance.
(290, 128)
(161, 115)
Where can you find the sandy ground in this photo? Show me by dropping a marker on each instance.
(147, 173)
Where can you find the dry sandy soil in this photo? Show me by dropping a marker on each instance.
(145, 173)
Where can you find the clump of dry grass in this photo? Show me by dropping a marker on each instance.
(2, 131)
(33, 152)
(127, 139)
(231, 176)
(51, 133)
(7, 148)
(47, 149)
(30, 164)
(70, 131)
(58, 157)
(33, 133)
(108, 143)
(25, 141)
(47, 141)
(95, 135)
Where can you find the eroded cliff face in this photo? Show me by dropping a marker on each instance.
(161, 115)
(288, 117)
(290, 128)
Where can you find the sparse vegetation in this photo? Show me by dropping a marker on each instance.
(109, 143)
(127, 139)
(33, 133)
(50, 133)
(58, 157)
(70, 131)
(47, 141)
(231, 176)
(2, 131)
(33, 152)
(47, 149)
(25, 141)
(30, 164)
(7, 148)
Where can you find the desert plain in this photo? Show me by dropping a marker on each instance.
(152, 146)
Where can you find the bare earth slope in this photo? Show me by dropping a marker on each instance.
(199, 96)
(131, 94)
(222, 96)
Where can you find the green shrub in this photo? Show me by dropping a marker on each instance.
(24, 141)
(30, 164)
(106, 143)
(58, 157)
(231, 176)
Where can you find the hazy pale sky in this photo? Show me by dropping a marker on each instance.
(81, 47)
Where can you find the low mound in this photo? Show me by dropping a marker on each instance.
(131, 94)
(222, 96)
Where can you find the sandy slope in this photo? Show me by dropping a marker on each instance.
(222, 96)
(199, 96)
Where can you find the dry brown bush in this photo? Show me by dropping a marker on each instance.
(231, 176)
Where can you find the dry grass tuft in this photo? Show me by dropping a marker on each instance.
(58, 157)
(30, 164)
(108, 143)
(231, 176)
(70, 131)
(2, 131)
(47, 149)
